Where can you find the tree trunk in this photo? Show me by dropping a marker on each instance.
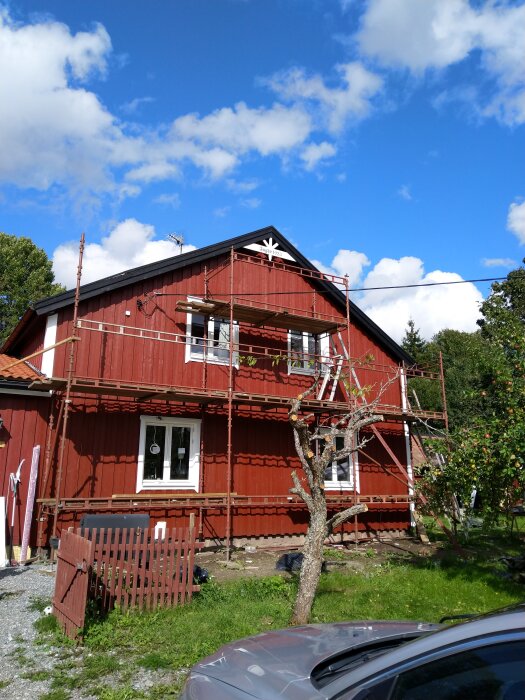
(312, 564)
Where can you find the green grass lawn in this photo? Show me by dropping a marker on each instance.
(168, 641)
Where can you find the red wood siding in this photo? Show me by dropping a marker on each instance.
(152, 362)
(103, 433)
(25, 425)
(101, 460)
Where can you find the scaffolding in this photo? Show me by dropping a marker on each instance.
(253, 311)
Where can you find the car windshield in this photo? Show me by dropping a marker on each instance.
(326, 671)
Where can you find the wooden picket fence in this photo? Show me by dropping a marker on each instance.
(122, 568)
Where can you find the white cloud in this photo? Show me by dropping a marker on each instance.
(516, 220)
(54, 130)
(133, 106)
(242, 186)
(405, 193)
(130, 244)
(51, 128)
(346, 262)
(314, 153)
(153, 171)
(173, 200)
(251, 203)
(221, 212)
(432, 308)
(352, 101)
(242, 129)
(498, 262)
(434, 34)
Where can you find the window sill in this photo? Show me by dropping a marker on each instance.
(310, 371)
(339, 486)
(214, 361)
(154, 485)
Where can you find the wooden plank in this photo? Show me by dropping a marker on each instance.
(176, 563)
(137, 542)
(143, 555)
(127, 569)
(165, 496)
(165, 568)
(154, 567)
(113, 551)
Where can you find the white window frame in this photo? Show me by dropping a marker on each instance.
(333, 483)
(192, 482)
(210, 348)
(323, 350)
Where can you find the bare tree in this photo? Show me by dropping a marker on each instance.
(316, 448)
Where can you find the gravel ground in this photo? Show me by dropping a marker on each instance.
(26, 666)
(20, 587)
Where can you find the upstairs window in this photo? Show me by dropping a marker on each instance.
(210, 337)
(306, 351)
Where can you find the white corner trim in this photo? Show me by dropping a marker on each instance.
(50, 338)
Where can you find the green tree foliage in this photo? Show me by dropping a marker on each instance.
(413, 343)
(467, 366)
(487, 446)
(25, 277)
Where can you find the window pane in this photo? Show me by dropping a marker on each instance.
(343, 469)
(296, 348)
(221, 339)
(311, 344)
(180, 453)
(154, 451)
(197, 334)
(496, 671)
(328, 475)
(343, 466)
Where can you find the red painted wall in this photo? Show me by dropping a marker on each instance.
(25, 425)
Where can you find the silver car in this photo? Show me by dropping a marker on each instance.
(481, 659)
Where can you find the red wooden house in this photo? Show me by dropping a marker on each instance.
(172, 398)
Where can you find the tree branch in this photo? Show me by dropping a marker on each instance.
(301, 491)
(343, 516)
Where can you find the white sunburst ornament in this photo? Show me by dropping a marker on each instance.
(271, 249)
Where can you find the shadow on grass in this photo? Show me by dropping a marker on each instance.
(479, 559)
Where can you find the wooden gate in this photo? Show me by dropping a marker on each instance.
(122, 568)
(72, 580)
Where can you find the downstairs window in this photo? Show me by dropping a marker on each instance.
(169, 453)
(340, 473)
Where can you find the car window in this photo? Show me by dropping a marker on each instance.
(495, 672)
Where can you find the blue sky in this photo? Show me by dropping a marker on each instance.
(384, 138)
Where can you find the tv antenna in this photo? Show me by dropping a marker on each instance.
(176, 238)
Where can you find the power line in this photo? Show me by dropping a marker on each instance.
(326, 291)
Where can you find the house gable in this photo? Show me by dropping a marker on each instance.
(267, 240)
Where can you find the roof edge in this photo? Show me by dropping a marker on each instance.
(127, 277)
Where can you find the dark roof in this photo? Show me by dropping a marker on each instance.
(138, 274)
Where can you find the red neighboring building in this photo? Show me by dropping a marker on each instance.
(170, 418)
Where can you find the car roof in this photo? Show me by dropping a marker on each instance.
(507, 621)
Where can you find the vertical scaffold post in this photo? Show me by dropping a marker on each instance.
(354, 470)
(67, 399)
(230, 419)
(443, 392)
